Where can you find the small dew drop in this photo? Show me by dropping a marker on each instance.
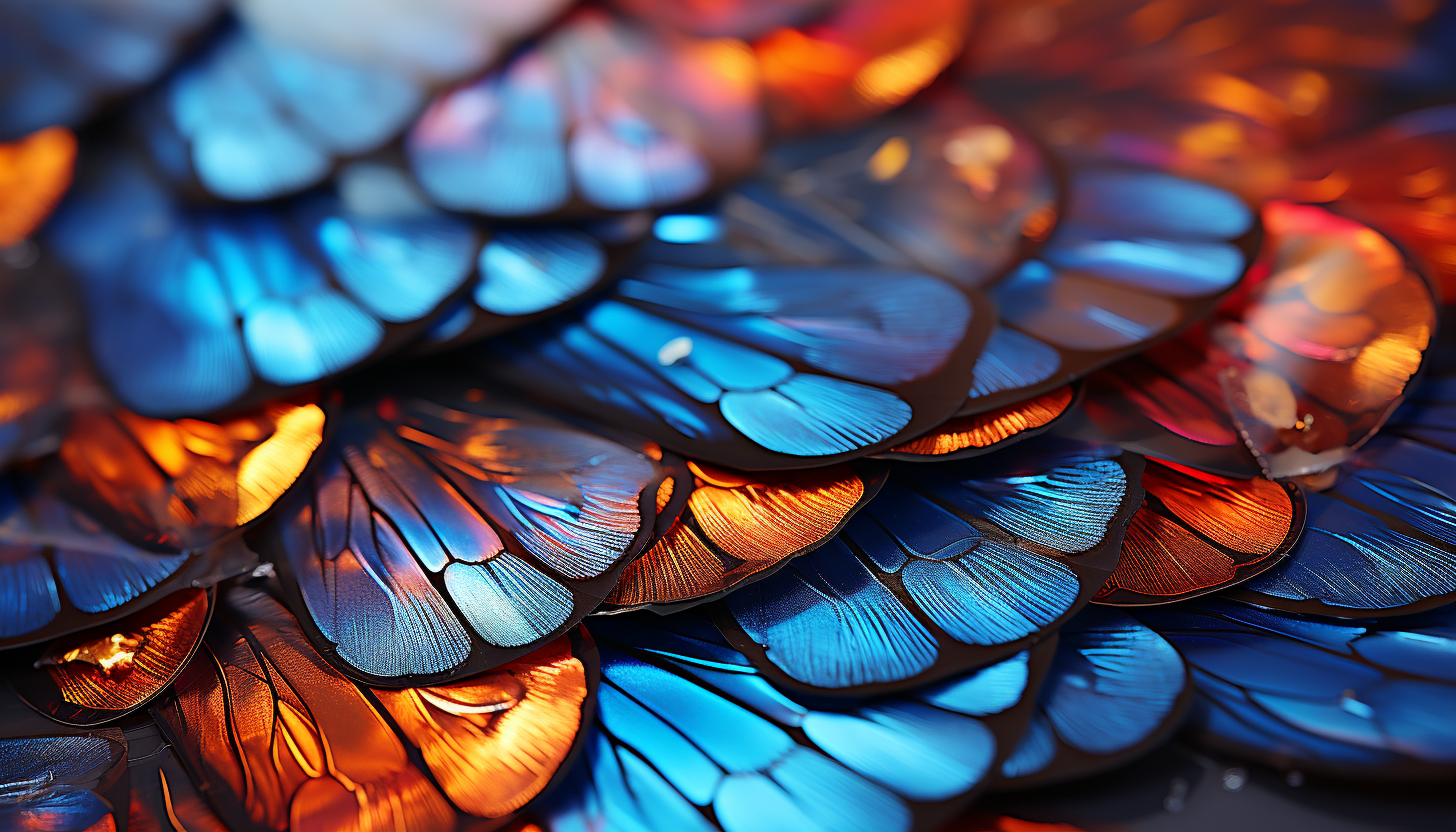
(675, 351)
(1234, 779)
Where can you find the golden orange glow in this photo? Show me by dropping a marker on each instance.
(124, 668)
(1161, 558)
(494, 741)
(754, 520)
(1251, 516)
(887, 161)
(664, 494)
(270, 468)
(183, 483)
(295, 744)
(35, 172)
(982, 430)
(865, 57)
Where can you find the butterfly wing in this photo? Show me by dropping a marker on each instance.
(1198, 533)
(1318, 693)
(757, 367)
(948, 568)
(572, 124)
(436, 758)
(254, 118)
(1115, 691)
(459, 533)
(195, 311)
(99, 675)
(736, 528)
(692, 737)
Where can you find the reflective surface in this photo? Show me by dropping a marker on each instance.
(102, 674)
(1198, 532)
(738, 528)
(1313, 693)
(601, 114)
(186, 483)
(950, 567)
(1113, 691)
(196, 310)
(691, 737)
(984, 432)
(864, 57)
(280, 740)
(1325, 345)
(443, 536)
(756, 367)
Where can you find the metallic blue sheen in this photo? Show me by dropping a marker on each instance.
(264, 119)
(687, 229)
(497, 146)
(1079, 316)
(1011, 360)
(186, 305)
(626, 164)
(1036, 749)
(101, 581)
(826, 620)
(509, 602)
(1112, 683)
(675, 734)
(816, 415)
(531, 270)
(1063, 499)
(28, 597)
(1178, 269)
(995, 594)
(1347, 558)
(1316, 690)
(1146, 203)
(46, 782)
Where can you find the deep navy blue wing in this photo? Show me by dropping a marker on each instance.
(444, 535)
(1383, 540)
(57, 778)
(1114, 691)
(193, 311)
(1316, 693)
(600, 115)
(950, 567)
(61, 570)
(757, 367)
(60, 61)
(690, 736)
(253, 118)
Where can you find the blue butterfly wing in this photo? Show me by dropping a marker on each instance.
(194, 311)
(1114, 690)
(563, 128)
(63, 571)
(1318, 693)
(1384, 540)
(690, 736)
(441, 538)
(1137, 256)
(253, 119)
(949, 567)
(757, 367)
(61, 62)
(528, 272)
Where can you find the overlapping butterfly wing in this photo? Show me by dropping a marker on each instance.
(446, 532)
(275, 738)
(948, 568)
(1319, 694)
(691, 736)
(1114, 691)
